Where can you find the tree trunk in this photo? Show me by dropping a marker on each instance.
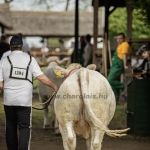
(67, 5)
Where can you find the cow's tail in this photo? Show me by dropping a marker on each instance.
(84, 80)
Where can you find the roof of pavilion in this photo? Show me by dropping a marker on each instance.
(5, 16)
(51, 24)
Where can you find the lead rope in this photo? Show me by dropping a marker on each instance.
(47, 102)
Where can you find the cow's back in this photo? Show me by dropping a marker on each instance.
(68, 102)
(101, 97)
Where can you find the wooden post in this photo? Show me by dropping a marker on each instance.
(105, 55)
(103, 64)
(95, 29)
(109, 52)
(106, 16)
(75, 58)
(129, 24)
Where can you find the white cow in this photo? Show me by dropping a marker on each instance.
(84, 105)
(44, 91)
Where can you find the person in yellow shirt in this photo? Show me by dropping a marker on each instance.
(119, 63)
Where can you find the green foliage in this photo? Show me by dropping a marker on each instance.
(142, 8)
(53, 43)
(120, 118)
(2, 115)
(118, 23)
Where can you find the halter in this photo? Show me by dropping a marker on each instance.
(70, 72)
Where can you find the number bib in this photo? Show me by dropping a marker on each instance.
(19, 73)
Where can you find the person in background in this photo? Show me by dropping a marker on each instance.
(140, 50)
(16, 71)
(140, 62)
(145, 66)
(119, 63)
(88, 51)
(6, 54)
(81, 50)
(4, 46)
(26, 46)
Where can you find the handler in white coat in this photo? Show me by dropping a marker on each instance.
(16, 72)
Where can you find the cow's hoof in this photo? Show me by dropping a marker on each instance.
(57, 132)
(46, 127)
(53, 123)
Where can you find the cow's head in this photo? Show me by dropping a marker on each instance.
(65, 61)
(61, 72)
(52, 59)
(56, 59)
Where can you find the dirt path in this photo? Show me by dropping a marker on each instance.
(46, 140)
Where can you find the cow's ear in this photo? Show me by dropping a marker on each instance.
(91, 67)
(44, 59)
(60, 72)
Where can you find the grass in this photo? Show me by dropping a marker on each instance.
(120, 118)
(118, 121)
(2, 115)
(37, 117)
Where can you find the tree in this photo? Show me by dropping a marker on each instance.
(118, 23)
(8, 1)
(142, 10)
(50, 4)
(83, 4)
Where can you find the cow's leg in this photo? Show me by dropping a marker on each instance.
(88, 143)
(96, 140)
(65, 143)
(46, 120)
(56, 125)
(69, 137)
(46, 123)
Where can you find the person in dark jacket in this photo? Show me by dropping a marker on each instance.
(146, 62)
(4, 46)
